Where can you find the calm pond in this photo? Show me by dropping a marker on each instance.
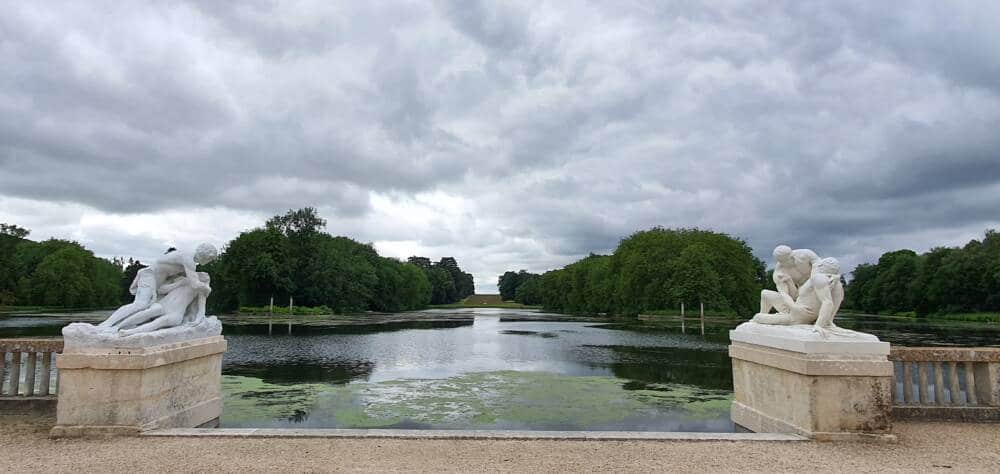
(488, 369)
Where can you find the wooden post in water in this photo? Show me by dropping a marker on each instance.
(682, 318)
(702, 319)
(290, 310)
(270, 314)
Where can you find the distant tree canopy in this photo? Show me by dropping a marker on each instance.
(942, 280)
(291, 256)
(650, 270)
(510, 282)
(54, 272)
(449, 284)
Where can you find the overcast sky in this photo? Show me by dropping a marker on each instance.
(506, 134)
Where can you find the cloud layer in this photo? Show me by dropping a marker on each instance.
(507, 134)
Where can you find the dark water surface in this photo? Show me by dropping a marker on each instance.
(486, 369)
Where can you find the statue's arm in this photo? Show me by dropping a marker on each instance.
(185, 261)
(785, 286)
(828, 307)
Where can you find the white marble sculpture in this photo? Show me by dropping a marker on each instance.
(809, 293)
(169, 306)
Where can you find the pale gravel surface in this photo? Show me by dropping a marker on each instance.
(922, 447)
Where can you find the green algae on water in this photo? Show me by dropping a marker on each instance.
(479, 400)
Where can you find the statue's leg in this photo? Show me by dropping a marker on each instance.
(144, 297)
(770, 299)
(142, 316)
(783, 319)
(166, 321)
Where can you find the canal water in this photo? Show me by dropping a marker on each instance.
(492, 370)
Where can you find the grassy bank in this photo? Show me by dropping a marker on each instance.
(484, 301)
(47, 310)
(975, 317)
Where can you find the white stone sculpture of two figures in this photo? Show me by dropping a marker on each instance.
(167, 293)
(809, 292)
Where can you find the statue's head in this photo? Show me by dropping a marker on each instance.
(827, 266)
(205, 253)
(783, 253)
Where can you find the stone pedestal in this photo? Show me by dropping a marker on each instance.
(125, 391)
(787, 379)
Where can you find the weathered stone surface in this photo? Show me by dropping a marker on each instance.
(41, 406)
(129, 390)
(31, 345)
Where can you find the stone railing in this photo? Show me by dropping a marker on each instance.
(27, 367)
(946, 383)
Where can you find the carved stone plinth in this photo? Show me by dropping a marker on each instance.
(787, 379)
(125, 391)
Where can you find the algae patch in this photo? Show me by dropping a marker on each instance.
(479, 400)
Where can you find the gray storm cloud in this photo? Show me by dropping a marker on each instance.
(559, 127)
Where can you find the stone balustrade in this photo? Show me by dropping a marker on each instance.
(27, 367)
(958, 383)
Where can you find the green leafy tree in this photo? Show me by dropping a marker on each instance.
(942, 280)
(14, 230)
(442, 285)
(655, 269)
(529, 291)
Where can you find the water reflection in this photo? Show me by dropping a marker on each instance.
(480, 369)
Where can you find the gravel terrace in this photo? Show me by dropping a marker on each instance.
(922, 447)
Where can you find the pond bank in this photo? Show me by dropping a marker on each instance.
(922, 447)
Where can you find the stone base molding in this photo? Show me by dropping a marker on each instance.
(126, 391)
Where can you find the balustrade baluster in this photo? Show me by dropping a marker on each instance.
(29, 374)
(46, 373)
(970, 384)
(907, 383)
(938, 384)
(922, 379)
(15, 372)
(3, 359)
(956, 394)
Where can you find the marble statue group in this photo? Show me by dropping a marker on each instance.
(809, 291)
(167, 293)
(169, 306)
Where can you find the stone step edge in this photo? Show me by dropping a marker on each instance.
(469, 434)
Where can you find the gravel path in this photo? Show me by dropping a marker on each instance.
(922, 447)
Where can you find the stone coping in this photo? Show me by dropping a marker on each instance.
(141, 358)
(813, 364)
(945, 354)
(31, 345)
(469, 434)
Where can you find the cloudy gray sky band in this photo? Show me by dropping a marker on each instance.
(506, 134)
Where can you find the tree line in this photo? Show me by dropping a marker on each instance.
(655, 269)
(941, 280)
(290, 257)
(56, 273)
